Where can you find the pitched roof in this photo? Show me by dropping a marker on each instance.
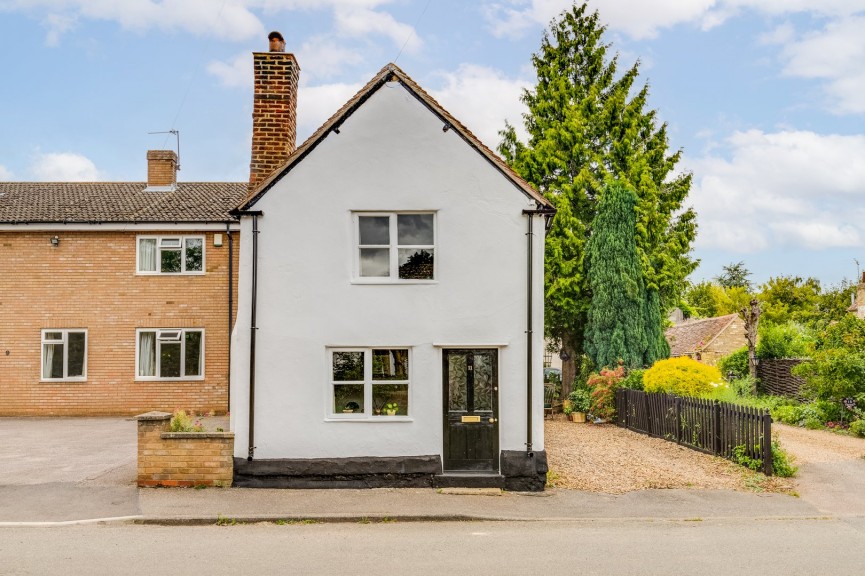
(121, 202)
(389, 73)
(694, 335)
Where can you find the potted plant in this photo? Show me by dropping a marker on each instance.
(580, 400)
(390, 408)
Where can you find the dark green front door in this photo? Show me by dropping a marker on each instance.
(471, 410)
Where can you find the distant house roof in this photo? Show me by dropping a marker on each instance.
(117, 202)
(695, 335)
(392, 72)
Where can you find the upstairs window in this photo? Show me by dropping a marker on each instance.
(395, 247)
(170, 254)
(64, 354)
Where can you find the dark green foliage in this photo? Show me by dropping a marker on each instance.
(633, 381)
(734, 275)
(737, 362)
(587, 123)
(781, 465)
(837, 366)
(790, 340)
(616, 329)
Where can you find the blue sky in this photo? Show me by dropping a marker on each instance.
(765, 97)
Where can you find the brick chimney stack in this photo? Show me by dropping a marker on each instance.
(274, 112)
(161, 168)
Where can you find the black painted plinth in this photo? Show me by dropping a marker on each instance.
(524, 471)
(359, 472)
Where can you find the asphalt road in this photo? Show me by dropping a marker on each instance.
(707, 547)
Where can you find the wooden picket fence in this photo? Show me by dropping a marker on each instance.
(709, 426)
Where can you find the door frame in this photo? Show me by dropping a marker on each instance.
(446, 402)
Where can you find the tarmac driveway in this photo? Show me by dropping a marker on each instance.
(61, 469)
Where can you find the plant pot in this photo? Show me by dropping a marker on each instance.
(577, 416)
(347, 411)
(390, 412)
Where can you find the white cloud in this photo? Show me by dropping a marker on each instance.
(237, 72)
(322, 57)
(483, 98)
(315, 104)
(784, 189)
(64, 167)
(834, 54)
(5, 174)
(361, 22)
(645, 19)
(58, 24)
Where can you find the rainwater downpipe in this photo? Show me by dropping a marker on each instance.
(230, 302)
(529, 332)
(548, 214)
(253, 329)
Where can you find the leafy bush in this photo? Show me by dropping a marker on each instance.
(736, 362)
(183, 422)
(857, 428)
(837, 365)
(580, 399)
(633, 381)
(789, 340)
(781, 461)
(603, 392)
(682, 376)
(789, 414)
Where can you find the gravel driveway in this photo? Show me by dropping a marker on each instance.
(606, 458)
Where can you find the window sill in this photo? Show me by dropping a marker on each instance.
(369, 419)
(387, 282)
(63, 380)
(139, 273)
(149, 379)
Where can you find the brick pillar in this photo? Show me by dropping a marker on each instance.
(274, 113)
(150, 446)
(161, 168)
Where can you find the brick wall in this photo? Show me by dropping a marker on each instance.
(729, 340)
(182, 458)
(89, 281)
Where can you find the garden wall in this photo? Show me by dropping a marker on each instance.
(182, 458)
(775, 377)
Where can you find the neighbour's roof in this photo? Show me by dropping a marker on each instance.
(120, 202)
(389, 73)
(694, 335)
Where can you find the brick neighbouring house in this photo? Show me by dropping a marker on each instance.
(708, 339)
(109, 290)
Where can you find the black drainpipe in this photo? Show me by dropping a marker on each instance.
(253, 328)
(230, 301)
(548, 213)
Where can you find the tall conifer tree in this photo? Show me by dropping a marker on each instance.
(585, 125)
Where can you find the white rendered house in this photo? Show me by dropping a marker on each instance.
(390, 310)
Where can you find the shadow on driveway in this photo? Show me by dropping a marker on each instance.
(63, 469)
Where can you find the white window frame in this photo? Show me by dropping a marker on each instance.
(65, 341)
(159, 247)
(393, 246)
(163, 335)
(368, 415)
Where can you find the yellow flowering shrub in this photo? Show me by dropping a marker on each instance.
(683, 376)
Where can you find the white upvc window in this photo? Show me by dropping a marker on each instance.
(169, 354)
(394, 247)
(64, 355)
(170, 255)
(368, 383)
